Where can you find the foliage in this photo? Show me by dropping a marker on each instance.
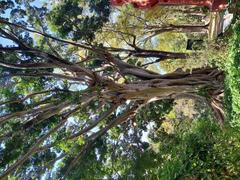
(232, 83)
(92, 108)
(205, 152)
(84, 19)
(195, 150)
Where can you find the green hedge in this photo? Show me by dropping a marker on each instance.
(232, 82)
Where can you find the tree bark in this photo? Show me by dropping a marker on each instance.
(145, 53)
(178, 28)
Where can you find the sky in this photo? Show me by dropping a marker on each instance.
(6, 42)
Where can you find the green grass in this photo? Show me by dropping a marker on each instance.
(232, 80)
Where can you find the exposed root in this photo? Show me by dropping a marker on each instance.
(216, 104)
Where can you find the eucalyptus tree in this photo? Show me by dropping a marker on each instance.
(153, 22)
(65, 97)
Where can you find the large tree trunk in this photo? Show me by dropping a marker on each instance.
(208, 81)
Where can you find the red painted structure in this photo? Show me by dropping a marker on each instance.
(213, 5)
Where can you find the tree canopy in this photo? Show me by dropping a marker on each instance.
(83, 95)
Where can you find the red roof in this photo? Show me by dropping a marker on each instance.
(214, 5)
(136, 3)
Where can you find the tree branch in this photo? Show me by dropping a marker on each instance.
(32, 150)
(91, 126)
(27, 66)
(2, 21)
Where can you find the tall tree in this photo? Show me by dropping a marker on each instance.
(58, 105)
